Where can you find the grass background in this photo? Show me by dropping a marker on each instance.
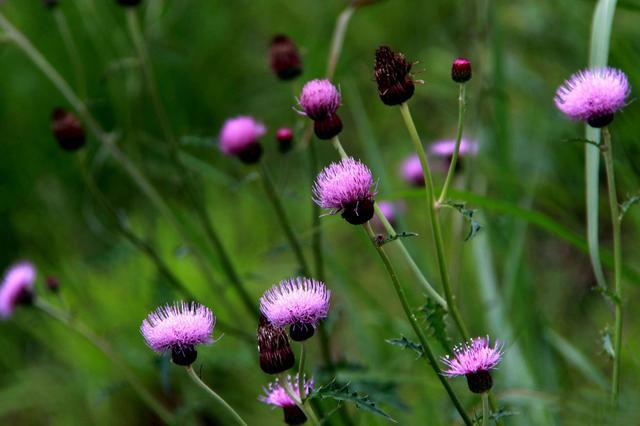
(210, 61)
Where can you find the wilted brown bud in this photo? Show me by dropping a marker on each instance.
(275, 352)
(284, 58)
(393, 75)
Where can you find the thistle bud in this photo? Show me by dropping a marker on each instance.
(393, 75)
(328, 127)
(461, 70)
(284, 58)
(284, 136)
(52, 283)
(275, 352)
(67, 130)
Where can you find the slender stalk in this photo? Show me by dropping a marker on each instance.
(435, 221)
(337, 40)
(296, 397)
(316, 234)
(431, 359)
(303, 358)
(456, 152)
(617, 261)
(485, 409)
(66, 319)
(72, 51)
(273, 196)
(194, 376)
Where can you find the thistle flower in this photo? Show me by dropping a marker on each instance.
(593, 95)
(461, 70)
(67, 130)
(240, 137)
(179, 328)
(411, 171)
(444, 149)
(17, 288)
(319, 101)
(346, 187)
(284, 136)
(276, 395)
(393, 75)
(284, 58)
(275, 352)
(474, 360)
(298, 302)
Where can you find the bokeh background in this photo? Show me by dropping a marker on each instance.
(525, 279)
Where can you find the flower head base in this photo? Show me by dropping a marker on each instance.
(284, 58)
(275, 352)
(284, 136)
(475, 360)
(67, 130)
(240, 137)
(179, 328)
(393, 75)
(346, 187)
(461, 70)
(17, 288)
(411, 171)
(593, 95)
(276, 395)
(298, 302)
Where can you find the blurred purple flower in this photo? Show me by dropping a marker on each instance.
(240, 137)
(17, 288)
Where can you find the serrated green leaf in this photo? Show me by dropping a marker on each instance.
(435, 315)
(474, 225)
(382, 240)
(582, 140)
(407, 344)
(495, 415)
(344, 393)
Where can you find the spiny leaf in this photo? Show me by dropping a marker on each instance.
(495, 415)
(382, 240)
(607, 343)
(435, 314)
(582, 140)
(407, 344)
(628, 203)
(343, 393)
(468, 215)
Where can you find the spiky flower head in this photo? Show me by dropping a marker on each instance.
(67, 130)
(284, 58)
(319, 99)
(461, 70)
(346, 187)
(240, 137)
(274, 349)
(179, 328)
(393, 75)
(276, 395)
(411, 171)
(298, 302)
(17, 288)
(593, 95)
(474, 360)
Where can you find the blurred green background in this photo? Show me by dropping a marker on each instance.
(210, 59)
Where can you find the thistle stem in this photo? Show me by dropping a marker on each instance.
(284, 220)
(303, 358)
(431, 359)
(456, 151)
(485, 409)
(337, 40)
(215, 396)
(103, 346)
(617, 261)
(72, 51)
(306, 409)
(435, 221)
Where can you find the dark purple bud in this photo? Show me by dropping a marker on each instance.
(327, 127)
(461, 70)
(67, 130)
(284, 58)
(284, 136)
(393, 75)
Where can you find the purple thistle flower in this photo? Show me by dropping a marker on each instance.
(346, 187)
(411, 171)
(319, 99)
(446, 147)
(240, 137)
(593, 95)
(276, 395)
(474, 360)
(298, 302)
(17, 288)
(178, 328)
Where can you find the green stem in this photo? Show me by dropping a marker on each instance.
(435, 221)
(72, 51)
(303, 359)
(431, 359)
(66, 319)
(338, 146)
(456, 152)
(306, 409)
(337, 40)
(617, 261)
(215, 396)
(284, 220)
(485, 409)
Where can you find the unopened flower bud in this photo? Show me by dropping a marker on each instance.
(67, 130)
(284, 58)
(284, 136)
(393, 75)
(461, 70)
(53, 284)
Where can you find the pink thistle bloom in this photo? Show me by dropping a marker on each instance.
(17, 288)
(411, 171)
(178, 328)
(346, 187)
(319, 99)
(240, 137)
(474, 360)
(593, 95)
(276, 395)
(445, 148)
(298, 302)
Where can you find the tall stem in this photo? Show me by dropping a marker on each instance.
(72, 51)
(215, 396)
(303, 359)
(485, 409)
(66, 319)
(337, 40)
(456, 151)
(435, 221)
(617, 261)
(273, 196)
(431, 359)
